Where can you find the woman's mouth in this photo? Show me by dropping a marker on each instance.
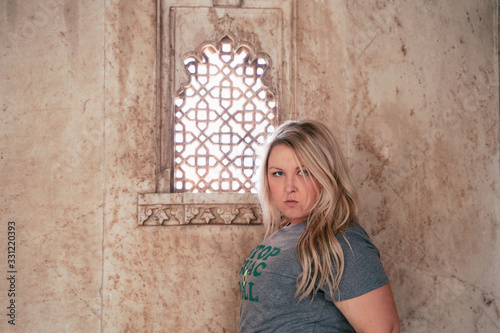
(291, 202)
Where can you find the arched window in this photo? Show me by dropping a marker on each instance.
(222, 114)
(217, 99)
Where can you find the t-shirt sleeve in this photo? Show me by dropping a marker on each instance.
(363, 270)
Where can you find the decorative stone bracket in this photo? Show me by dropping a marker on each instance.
(165, 209)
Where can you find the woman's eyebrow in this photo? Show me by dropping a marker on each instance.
(278, 168)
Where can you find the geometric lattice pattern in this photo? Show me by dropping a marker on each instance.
(221, 117)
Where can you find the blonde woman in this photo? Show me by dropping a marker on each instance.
(317, 270)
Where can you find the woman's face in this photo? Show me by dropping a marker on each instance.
(294, 191)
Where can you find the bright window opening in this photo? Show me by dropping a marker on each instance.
(222, 116)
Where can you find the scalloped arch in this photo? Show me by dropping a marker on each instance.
(226, 105)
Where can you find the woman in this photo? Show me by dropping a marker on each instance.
(317, 270)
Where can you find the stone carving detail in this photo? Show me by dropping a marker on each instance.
(177, 214)
(248, 215)
(191, 212)
(165, 209)
(155, 216)
(207, 215)
(227, 214)
(158, 215)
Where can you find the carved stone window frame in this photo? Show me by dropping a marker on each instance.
(223, 112)
(163, 208)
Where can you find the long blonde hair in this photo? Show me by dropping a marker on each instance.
(335, 207)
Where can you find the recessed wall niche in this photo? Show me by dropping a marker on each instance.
(206, 179)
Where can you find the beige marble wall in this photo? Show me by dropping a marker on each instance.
(423, 142)
(156, 279)
(410, 90)
(51, 163)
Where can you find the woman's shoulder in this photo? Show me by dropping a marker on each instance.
(355, 236)
(355, 229)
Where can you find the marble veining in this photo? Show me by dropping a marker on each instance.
(409, 88)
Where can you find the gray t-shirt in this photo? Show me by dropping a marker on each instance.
(268, 278)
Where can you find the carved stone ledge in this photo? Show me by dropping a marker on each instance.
(165, 209)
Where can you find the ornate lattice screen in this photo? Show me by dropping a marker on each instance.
(221, 115)
(216, 101)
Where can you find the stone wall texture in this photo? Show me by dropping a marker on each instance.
(409, 88)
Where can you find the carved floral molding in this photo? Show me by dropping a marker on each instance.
(166, 209)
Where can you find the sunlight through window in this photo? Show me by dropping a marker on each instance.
(222, 115)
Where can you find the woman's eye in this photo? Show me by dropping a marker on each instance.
(278, 173)
(303, 173)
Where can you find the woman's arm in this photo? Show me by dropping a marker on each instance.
(374, 311)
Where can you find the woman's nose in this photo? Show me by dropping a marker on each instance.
(290, 186)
